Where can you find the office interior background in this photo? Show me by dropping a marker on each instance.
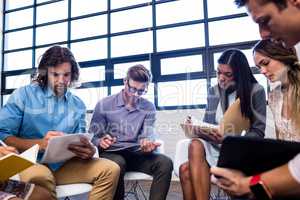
(178, 40)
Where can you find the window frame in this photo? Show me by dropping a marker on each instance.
(155, 57)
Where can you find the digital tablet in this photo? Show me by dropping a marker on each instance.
(255, 155)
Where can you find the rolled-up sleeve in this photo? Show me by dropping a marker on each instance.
(98, 123)
(81, 128)
(294, 167)
(11, 115)
(148, 128)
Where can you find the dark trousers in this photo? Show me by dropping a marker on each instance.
(158, 166)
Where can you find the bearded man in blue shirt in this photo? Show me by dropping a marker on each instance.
(45, 109)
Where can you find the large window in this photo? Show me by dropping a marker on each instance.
(178, 40)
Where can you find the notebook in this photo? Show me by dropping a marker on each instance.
(233, 123)
(255, 155)
(12, 164)
(200, 129)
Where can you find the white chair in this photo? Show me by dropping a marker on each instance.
(181, 154)
(135, 177)
(66, 191)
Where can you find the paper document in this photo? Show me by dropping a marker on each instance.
(13, 164)
(57, 149)
(233, 123)
(199, 130)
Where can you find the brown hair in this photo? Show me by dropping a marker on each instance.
(54, 56)
(289, 58)
(280, 4)
(139, 73)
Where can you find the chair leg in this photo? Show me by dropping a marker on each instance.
(142, 191)
(130, 191)
(134, 190)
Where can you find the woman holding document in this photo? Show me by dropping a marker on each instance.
(281, 66)
(235, 81)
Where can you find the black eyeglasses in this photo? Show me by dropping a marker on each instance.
(134, 90)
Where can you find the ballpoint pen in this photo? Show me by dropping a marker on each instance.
(3, 144)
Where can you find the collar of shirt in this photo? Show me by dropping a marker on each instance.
(49, 93)
(120, 101)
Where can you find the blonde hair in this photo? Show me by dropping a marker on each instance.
(294, 79)
(289, 58)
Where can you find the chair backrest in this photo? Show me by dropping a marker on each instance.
(181, 154)
(68, 190)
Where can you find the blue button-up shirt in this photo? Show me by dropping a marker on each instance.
(111, 116)
(31, 112)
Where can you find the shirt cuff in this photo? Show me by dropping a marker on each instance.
(294, 167)
(96, 141)
(3, 136)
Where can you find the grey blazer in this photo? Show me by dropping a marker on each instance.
(258, 105)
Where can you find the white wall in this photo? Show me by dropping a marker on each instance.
(168, 126)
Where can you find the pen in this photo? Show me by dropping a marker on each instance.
(2, 143)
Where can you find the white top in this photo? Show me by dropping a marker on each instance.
(285, 129)
(219, 112)
(294, 165)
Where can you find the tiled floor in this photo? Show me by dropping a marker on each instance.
(174, 192)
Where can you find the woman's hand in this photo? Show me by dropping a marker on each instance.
(210, 134)
(232, 181)
(216, 135)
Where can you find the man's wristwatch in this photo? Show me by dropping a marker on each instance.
(259, 189)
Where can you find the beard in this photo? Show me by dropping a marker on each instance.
(60, 90)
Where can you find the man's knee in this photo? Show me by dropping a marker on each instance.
(39, 175)
(165, 164)
(121, 162)
(109, 168)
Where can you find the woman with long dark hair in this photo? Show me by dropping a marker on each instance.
(235, 81)
(280, 65)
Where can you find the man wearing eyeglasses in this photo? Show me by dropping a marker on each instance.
(123, 125)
